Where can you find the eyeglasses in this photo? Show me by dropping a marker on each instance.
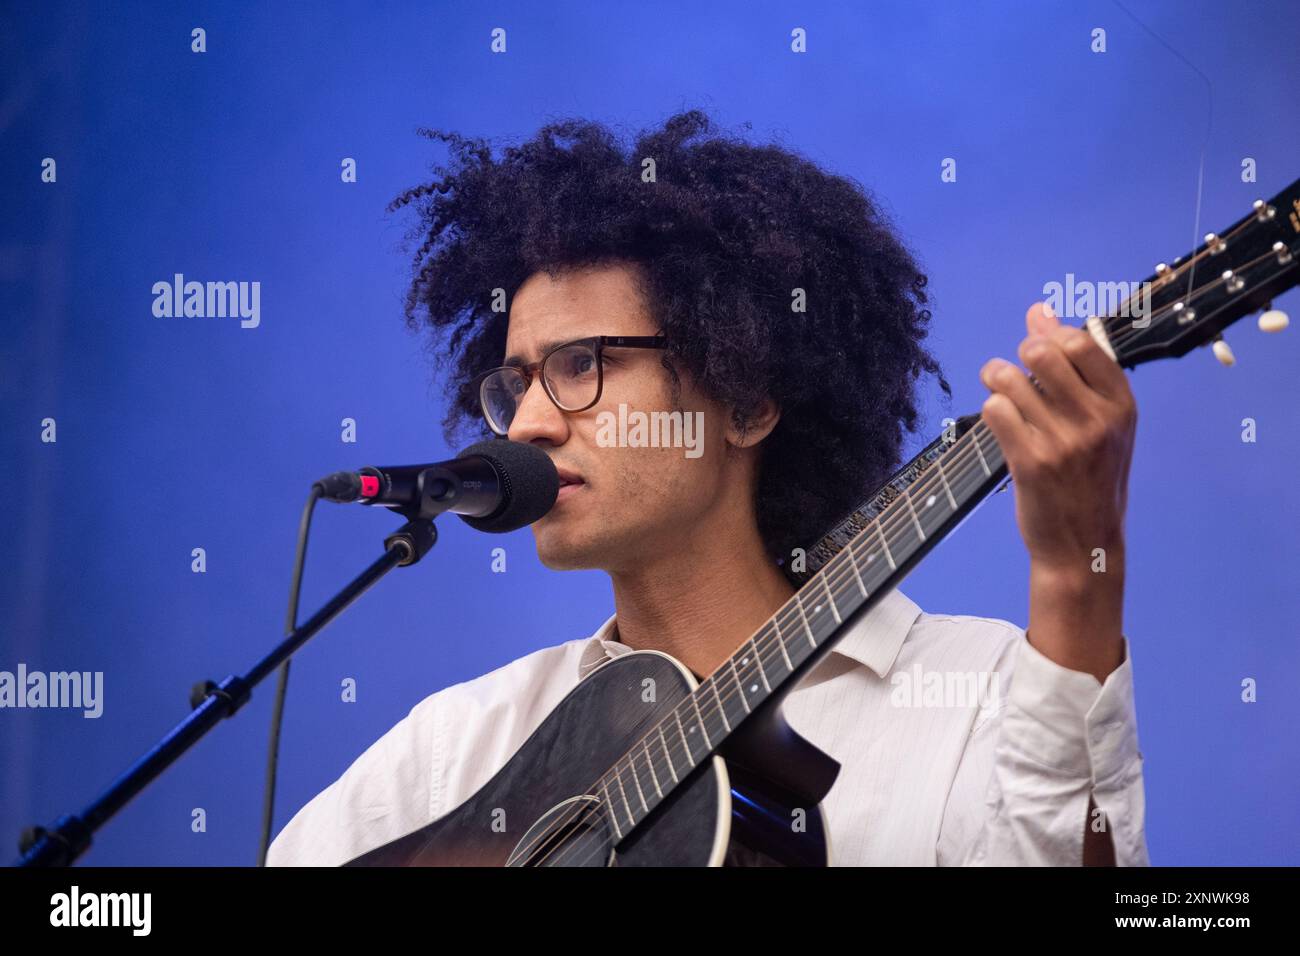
(573, 374)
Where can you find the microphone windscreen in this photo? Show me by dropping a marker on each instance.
(529, 484)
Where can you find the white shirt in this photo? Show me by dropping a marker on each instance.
(944, 758)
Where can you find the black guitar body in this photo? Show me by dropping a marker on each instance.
(758, 806)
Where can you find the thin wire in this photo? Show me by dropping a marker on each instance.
(277, 715)
(1205, 140)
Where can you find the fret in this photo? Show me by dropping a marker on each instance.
(749, 672)
(636, 779)
(915, 520)
(933, 511)
(618, 778)
(758, 662)
(944, 476)
(736, 676)
(780, 642)
(979, 451)
(721, 710)
(881, 534)
(660, 764)
(819, 623)
(650, 762)
(604, 786)
(831, 598)
(686, 744)
(995, 450)
(668, 755)
(853, 563)
(699, 722)
(807, 630)
(735, 706)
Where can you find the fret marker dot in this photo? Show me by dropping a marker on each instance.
(929, 502)
(753, 688)
(744, 661)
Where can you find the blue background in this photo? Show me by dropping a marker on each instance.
(182, 433)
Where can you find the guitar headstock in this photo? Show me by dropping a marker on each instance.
(1190, 301)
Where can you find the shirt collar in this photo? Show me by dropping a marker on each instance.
(874, 641)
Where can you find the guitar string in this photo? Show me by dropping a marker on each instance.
(1237, 273)
(761, 640)
(1189, 266)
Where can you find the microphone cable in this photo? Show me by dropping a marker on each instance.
(277, 714)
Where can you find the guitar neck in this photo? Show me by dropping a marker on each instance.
(848, 528)
(808, 625)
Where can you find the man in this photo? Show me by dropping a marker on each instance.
(697, 266)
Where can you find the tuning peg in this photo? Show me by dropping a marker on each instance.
(1274, 320)
(1222, 352)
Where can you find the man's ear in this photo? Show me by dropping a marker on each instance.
(761, 422)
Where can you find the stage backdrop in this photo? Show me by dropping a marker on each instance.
(176, 434)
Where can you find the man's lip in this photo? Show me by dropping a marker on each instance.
(568, 478)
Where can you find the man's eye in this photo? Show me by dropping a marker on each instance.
(581, 365)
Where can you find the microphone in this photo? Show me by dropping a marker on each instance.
(495, 486)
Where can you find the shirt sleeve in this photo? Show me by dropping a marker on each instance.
(1060, 737)
(383, 795)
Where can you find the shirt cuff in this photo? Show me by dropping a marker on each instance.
(1070, 722)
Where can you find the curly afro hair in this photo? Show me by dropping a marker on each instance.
(724, 233)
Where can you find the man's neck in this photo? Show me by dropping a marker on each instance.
(699, 605)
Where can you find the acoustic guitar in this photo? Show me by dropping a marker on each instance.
(707, 772)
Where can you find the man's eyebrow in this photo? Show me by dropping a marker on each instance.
(518, 360)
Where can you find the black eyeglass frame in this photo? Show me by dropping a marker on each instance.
(597, 343)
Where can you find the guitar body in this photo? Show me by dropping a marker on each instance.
(757, 807)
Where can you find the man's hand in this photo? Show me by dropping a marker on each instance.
(1068, 448)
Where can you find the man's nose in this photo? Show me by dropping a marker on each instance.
(536, 416)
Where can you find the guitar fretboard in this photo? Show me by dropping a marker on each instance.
(794, 639)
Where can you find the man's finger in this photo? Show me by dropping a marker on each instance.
(1041, 319)
(1095, 367)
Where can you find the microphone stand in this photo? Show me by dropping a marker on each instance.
(70, 836)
